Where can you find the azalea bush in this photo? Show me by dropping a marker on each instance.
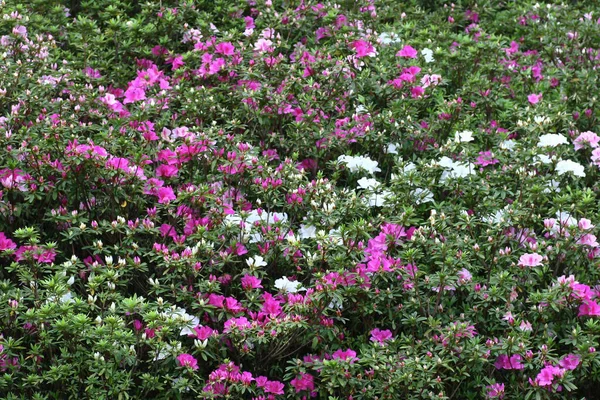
(298, 199)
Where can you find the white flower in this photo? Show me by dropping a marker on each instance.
(455, 169)
(379, 199)
(553, 186)
(508, 144)
(551, 140)
(360, 162)
(496, 218)
(422, 195)
(288, 286)
(180, 314)
(427, 55)
(307, 232)
(367, 183)
(565, 166)
(388, 38)
(256, 261)
(360, 109)
(463, 137)
(408, 167)
(543, 158)
(392, 148)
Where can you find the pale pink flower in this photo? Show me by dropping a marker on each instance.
(530, 260)
(586, 138)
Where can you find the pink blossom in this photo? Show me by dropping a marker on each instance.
(363, 48)
(187, 360)
(590, 308)
(251, 282)
(407, 52)
(225, 48)
(586, 139)
(134, 94)
(166, 194)
(534, 98)
(530, 260)
(381, 336)
(570, 361)
(302, 382)
(347, 355)
(274, 387)
(588, 240)
(584, 224)
(6, 243)
(464, 276)
(596, 157)
(547, 375)
(495, 391)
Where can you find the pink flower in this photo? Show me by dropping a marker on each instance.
(464, 276)
(589, 307)
(347, 355)
(225, 48)
(547, 375)
(570, 362)
(586, 138)
(251, 282)
(530, 260)
(514, 362)
(363, 48)
(588, 239)
(486, 158)
(417, 92)
(203, 332)
(166, 194)
(534, 98)
(274, 387)
(187, 360)
(380, 336)
(303, 382)
(407, 52)
(495, 391)
(134, 94)
(6, 243)
(596, 157)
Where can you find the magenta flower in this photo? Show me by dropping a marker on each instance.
(347, 355)
(6, 243)
(363, 48)
(534, 98)
(134, 94)
(225, 48)
(274, 387)
(514, 362)
(166, 194)
(495, 391)
(380, 336)
(530, 260)
(570, 362)
(303, 382)
(486, 158)
(407, 52)
(251, 282)
(547, 375)
(589, 308)
(187, 360)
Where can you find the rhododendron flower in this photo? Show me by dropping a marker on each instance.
(596, 157)
(166, 194)
(381, 336)
(486, 158)
(495, 391)
(250, 282)
(302, 382)
(363, 48)
(530, 260)
(463, 137)
(564, 166)
(187, 360)
(551, 140)
(589, 308)
(586, 139)
(427, 55)
(347, 355)
(588, 240)
(570, 361)
(534, 98)
(6, 243)
(407, 52)
(288, 286)
(514, 362)
(547, 375)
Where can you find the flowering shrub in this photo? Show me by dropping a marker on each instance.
(299, 199)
